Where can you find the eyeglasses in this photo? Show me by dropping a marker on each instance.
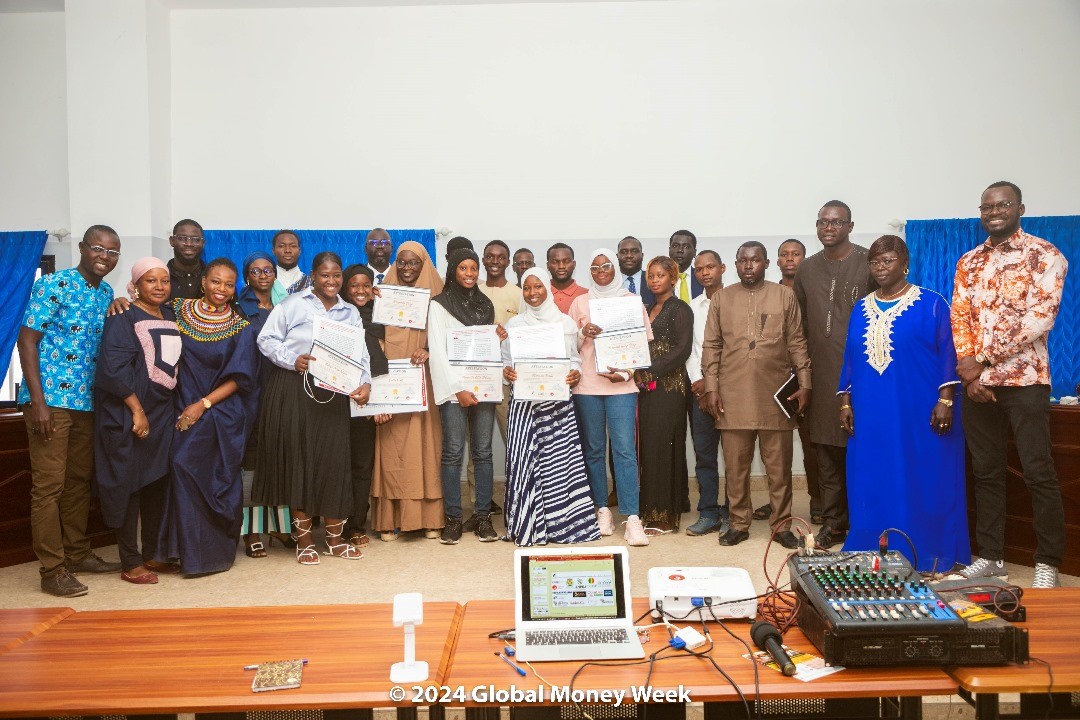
(823, 223)
(1004, 205)
(883, 262)
(189, 239)
(379, 243)
(594, 269)
(409, 264)
(261, 272)
(99, 250)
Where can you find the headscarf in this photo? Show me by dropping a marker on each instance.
(258, 255)
(468, 306)
(401, 342)
(615, 288)
(548, 312)
(140, 268)
(372, 332)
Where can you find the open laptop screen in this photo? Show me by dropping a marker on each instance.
(572, 587)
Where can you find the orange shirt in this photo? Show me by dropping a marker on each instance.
(1005, 301)
(564, 298)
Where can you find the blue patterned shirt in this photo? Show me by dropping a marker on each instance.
(70, 314)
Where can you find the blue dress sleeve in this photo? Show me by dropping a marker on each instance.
(117, 355)
(946, 351)
(852, 350)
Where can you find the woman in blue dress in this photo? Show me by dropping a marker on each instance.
(905, 458)
(548, 497)
(216, 401)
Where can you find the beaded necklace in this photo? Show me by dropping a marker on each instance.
(203, 322)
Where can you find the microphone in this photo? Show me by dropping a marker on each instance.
(767, 638)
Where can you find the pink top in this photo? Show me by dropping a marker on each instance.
(591, 383)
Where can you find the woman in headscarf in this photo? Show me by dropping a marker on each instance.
(133, 420)
(606, 405)
(406, 487)
(255, 302)
(548, 498)
(356, 289)
(461, 304)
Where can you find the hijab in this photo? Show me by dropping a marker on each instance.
(258, 255)
(372, 332)
(548, 312)
(140, 268)
(468, 306)
(402, 342)
(614, 289)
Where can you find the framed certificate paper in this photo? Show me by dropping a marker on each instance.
(627, 350)
(537, 342)
(381, 383)
(402, 306)
(539, 380)
(400, 386)
(620, 313)
(473, 344)
(337, 348)
(483, 381)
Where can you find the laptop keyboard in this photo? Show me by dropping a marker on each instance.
(603, 636)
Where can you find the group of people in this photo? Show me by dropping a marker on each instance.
(193, 407)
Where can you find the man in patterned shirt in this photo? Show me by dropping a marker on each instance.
(1005, 300)
(58, 349)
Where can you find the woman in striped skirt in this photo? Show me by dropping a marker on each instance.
(548, 498)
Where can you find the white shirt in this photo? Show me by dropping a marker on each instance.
(377, 273)
(639, 282)
(700, 306)
(289, 277)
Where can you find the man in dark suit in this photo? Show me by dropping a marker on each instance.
(633, 277)
(682, 248)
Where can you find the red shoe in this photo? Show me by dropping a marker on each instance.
(147, 578)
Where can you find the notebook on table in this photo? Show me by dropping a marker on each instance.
(574, 604)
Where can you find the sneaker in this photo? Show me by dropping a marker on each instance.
(92, 563)
(787, 539)
(1046, 576)
(635, 533)
(63, 584)
(451, 533)
(470, 524)
(603, 519)
(484, 531)
(982, 567)
(764, 512)
(495, 509)
(704, 526)
(734, 537)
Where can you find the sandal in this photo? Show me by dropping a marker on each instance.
(305, 554)
(254, 548)
(287, 541)
(359, 539)
(341, 550)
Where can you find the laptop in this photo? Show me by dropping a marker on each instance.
(574, 604)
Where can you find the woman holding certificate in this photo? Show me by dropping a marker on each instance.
(406, 485)
(303, 432)
(662, 403)
(606, 402)
(548, 498)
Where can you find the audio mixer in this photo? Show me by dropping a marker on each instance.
(867, 608)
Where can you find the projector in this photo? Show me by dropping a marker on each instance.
(726, 590)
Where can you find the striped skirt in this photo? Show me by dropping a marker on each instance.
(548, 498)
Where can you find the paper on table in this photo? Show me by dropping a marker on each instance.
(537, 342)
(473, 344)
(624, 350)
(372, 409)
(807, 667)
(620, 313)
(402, 306)
(483, 381)
(542, 380)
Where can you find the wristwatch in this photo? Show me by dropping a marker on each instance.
(980, 357)
(207, 404)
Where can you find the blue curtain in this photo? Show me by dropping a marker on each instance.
(349, 244)
(20, 256)
(936, 245)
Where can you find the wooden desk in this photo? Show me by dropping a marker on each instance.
(18, 626)
(1053, 624)
(182, 661)
(475, 665)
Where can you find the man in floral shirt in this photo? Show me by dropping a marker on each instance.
(1005, 300)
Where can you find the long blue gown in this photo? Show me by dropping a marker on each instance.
(900, 473)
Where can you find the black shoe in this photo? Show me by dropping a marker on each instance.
(63, 584)
(763, 513)
(484, 531)
(817, 518)
(829, 536)
(470, 524)
(734, 537)
(787, 539)
(451, 533)
(495, 509)
(94, 564)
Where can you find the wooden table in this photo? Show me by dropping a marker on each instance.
(18, 626)
(180, 661)
(1053, 624)
(475, 665)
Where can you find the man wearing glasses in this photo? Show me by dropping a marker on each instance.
(1006, 297)
(58, 349)
(379, 250)
(186, 267)
(523, 260)
(827, 285)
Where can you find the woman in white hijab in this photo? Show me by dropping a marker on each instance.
(548, 498)
(607, 406)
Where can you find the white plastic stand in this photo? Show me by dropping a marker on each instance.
(408, 613)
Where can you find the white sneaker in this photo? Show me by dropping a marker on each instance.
(635, 533)
(1046, 576)
(603, 519)
(981, 568)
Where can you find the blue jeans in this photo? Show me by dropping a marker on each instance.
(478, 421)
(610, 416)
(706, 447)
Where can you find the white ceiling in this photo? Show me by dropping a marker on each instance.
(22, 6)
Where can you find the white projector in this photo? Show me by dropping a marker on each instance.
(726, 591)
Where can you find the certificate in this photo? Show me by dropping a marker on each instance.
(625, 350)
(537, 342)
(402, 306)
(344, 339)
(538, 380)
(373, 408)
(335, 371)
(483, 381)
(400, 386)
(620, 313)
(473, 344)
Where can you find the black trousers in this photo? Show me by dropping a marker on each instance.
(362, 448)
(146, 504)
(1027, 411)
(832, 485)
